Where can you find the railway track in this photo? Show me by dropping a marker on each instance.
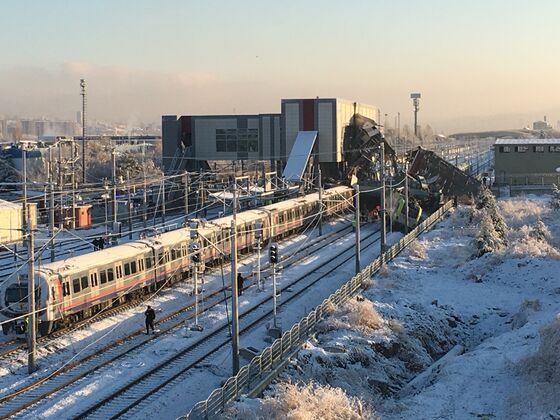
(10, 347)
(144, 389)
(73, 372)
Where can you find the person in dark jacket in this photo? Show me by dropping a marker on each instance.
(240, 281)
(150, 317)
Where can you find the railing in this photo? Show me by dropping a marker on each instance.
(262, 366)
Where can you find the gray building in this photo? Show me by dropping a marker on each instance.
(189, 142)
(526, 161)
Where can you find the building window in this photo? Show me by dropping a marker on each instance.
(538, 149)
(555, 149)
(521, 149)
(237, 140)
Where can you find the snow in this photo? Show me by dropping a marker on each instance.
(202, 380)
(496, 315)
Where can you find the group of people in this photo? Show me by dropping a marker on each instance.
(150, 314)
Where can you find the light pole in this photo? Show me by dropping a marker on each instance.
(383, 210)
(234, 288)
(195, 258)
(357, 206)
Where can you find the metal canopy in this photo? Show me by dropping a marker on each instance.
(299, 156)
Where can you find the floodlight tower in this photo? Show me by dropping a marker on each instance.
(83, 94)
(416, 103)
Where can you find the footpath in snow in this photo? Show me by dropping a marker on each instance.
(441, 333)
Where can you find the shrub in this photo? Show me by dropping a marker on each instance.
(544, 365)
(306, 402)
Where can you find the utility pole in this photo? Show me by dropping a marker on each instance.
(129, 202)
(234, 288)
(357, 206)
(24, 168)
(73, 180)
(145, 202)
(163, 200)
(258, 236)
(114, 180)
(83, 94)
(406, 194)
(320, 202)
(383, 210)
(106, 198)
(32, 322)
(273, 260)
(51, 205)
(186, 192)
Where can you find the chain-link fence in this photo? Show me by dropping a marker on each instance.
(252, 375)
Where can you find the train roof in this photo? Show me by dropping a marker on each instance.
(92, 259)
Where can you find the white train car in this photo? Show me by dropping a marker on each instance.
(81, 286)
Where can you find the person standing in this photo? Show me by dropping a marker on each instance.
(150, 315)
(240, 281)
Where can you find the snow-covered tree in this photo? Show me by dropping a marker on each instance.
(488, 239)
(540, 231)
(555, 200)
(486, 202)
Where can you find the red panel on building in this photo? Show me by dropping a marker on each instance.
(309, 114)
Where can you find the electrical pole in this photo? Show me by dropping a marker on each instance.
(258, 236)
(163, 200)
(234, 288)
(32, 321)
(114, 180)
(73, 180)
(51, 205)
(357, 206)
(406, 194)
(186, 195)
(83, 94)
(383, 210)
(320, 202)
(129, 205)
(145, 202)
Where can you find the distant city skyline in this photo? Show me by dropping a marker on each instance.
(478, 64)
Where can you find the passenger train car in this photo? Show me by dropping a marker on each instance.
(79, 287)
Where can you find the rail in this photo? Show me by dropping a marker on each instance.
(270, 359)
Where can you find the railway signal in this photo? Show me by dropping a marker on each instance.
(273, 254)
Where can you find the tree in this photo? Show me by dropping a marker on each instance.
(555, 200)
(488, 239)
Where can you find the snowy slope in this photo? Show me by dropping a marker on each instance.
(385, 353)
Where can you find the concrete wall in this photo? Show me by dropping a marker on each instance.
(170, 139)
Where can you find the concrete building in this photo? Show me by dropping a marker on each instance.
(526, 161)
(189, 142)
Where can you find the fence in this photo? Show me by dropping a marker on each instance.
(267, 362)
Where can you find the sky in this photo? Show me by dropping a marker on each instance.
(479, 64)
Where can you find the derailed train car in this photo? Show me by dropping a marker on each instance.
(79, 287)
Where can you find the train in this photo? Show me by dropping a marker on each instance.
(76, 288)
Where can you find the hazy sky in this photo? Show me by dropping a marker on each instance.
(478, 63)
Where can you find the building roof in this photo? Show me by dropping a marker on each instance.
(526, 141)
(9, 205)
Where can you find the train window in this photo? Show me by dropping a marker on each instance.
(141, 265)
(133, 267)
(127, 269)
(84, 281)
(173, 255)
(160, 258)
(110, 275)
(65, 289)
(93, 279)
(76, 285)
(103, 276)
(148, 262)
(184, 250)
(166, 256)
(119, 271)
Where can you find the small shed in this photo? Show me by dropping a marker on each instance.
(11, 221)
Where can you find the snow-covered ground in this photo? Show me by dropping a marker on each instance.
(440, 334)
(202, 380)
